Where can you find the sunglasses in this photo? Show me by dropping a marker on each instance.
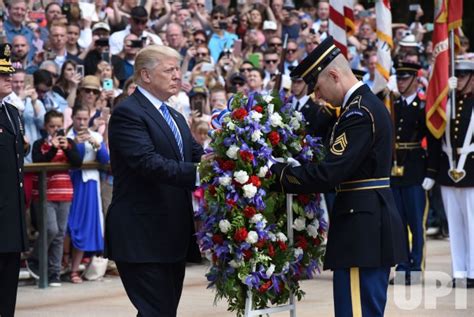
(291, 51)
(199, 41)
(218, 17)
(275, 44)
(239, 83)
(243, 70)
(94, 91)
(271, 61)
(138, 21)
(201, 54)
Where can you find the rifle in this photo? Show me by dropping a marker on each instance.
(281, 66)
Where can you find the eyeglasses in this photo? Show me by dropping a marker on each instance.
(94, 91)
(271, 61)
(200, 5)
(138, 21)
(243, 70)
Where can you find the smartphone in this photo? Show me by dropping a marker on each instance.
(105, 113)
(106, 56)
(207, 67)
(184, 4)
(108, 84)
(198, 105)
(102, 42)
(80, 70)
(199, 81)
(29, 81)
(237, 48)
(60, 132)
(136, 43)
(187, 77)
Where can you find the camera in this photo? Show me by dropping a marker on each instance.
(198, 105)
(136, 43)
(60, 132)
(102, 42)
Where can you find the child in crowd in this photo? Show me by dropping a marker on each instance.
(56, 147)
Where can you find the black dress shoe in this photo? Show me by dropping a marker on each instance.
(470, 283)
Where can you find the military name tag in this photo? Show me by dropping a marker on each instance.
(456, 175)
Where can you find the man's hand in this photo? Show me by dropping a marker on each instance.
(208, 156)
(55, 142)
(63, 144)
(428, 183)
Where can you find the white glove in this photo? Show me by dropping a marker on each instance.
(291, 161)
(452, 83)
(428, 183)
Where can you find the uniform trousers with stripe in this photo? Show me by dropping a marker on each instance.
(360, 292)
(459, 207)
(412, 204)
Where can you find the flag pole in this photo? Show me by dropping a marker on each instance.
(452, 92)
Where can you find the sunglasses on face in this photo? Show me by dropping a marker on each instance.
(199, 41)
(243, 70)
(218, 17)
(201, 54)
(291, 51)
(275, 44)
(88, 91)
(271, 61)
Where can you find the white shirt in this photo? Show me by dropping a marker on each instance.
(350, 92)
(303, 100)
(116, 40)
(410, 98)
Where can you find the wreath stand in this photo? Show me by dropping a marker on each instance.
(291, 306)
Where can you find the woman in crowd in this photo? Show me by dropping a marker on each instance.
(85, 224)
(68, 81)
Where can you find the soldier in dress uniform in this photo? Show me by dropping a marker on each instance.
(411, 166)
(13, 238)
(366, 235)
(456, 174)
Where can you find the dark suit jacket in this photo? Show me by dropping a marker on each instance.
(12, 197)
(150, 218)
(365, 227)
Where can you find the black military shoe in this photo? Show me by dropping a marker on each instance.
(470, 283)
(33, 268)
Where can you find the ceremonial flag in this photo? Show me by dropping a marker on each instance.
(337, 24)
(437, 94)
(384, 45)
(349, 17)
(455, 19)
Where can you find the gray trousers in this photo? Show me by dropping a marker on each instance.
(57, 213)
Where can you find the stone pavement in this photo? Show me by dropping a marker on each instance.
(107, 297)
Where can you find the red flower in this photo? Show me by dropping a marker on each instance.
(217, 239)
(247, 254)
(271, 250)
(212, 190)
(274, 137)
(316, 241)
(199, 193)
(260, 243)
(230, 202)
(239, 114)
(282, 245)
(303, 199)
(246, 156)
(258, 108)
(214, 258)
(301, 242)
(240, 234)
(249, 211)
(228, 165)
(265, 286)
(255, 181)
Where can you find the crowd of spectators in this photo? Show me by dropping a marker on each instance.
(76, 58)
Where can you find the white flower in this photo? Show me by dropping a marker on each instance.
(235, 264)
(285, 267)
(256, 218)
(208, 255)
(270, 270)
(276, 120)
(297, 146)
(231, 125)
(232, 151)
(225, 180)
(224, 225)
(256, 135)
(241, 177)
(280, 236)
(298, 115)
(255, 115)
(298, 252)
(312, 230)
(272, 236)
(294, 123)
(249, 190)
(268, 98)
(309, 152)
(262, 172)
(270, 108)
(299, 224)
(252, 237)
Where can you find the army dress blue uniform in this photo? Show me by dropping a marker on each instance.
(13, 239)
(365, 234)
(411, 164)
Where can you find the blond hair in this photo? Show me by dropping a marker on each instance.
(150, 56)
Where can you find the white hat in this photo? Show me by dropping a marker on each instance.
(269, 25)
(409, 40)
(101, 25)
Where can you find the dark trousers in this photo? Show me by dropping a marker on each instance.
(412, 205)
(9, 272)
(153, 288)
(360, 291)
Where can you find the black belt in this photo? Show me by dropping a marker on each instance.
(407, 145)
(364, 184)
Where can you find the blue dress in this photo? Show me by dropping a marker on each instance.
(86, 223)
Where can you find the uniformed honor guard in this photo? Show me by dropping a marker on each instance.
(366, 235)
(13, 238)
(456, 174)
(411, 168)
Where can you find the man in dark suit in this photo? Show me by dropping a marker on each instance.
(149, 226)
(13, 238)
(366, 234)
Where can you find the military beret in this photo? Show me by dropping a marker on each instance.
(405, 70)
(5, 64)
(463, 67)
(310, 67)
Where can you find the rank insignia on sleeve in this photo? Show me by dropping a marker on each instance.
(339, 145)
(292, 180)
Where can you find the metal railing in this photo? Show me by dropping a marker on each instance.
(42, 169)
